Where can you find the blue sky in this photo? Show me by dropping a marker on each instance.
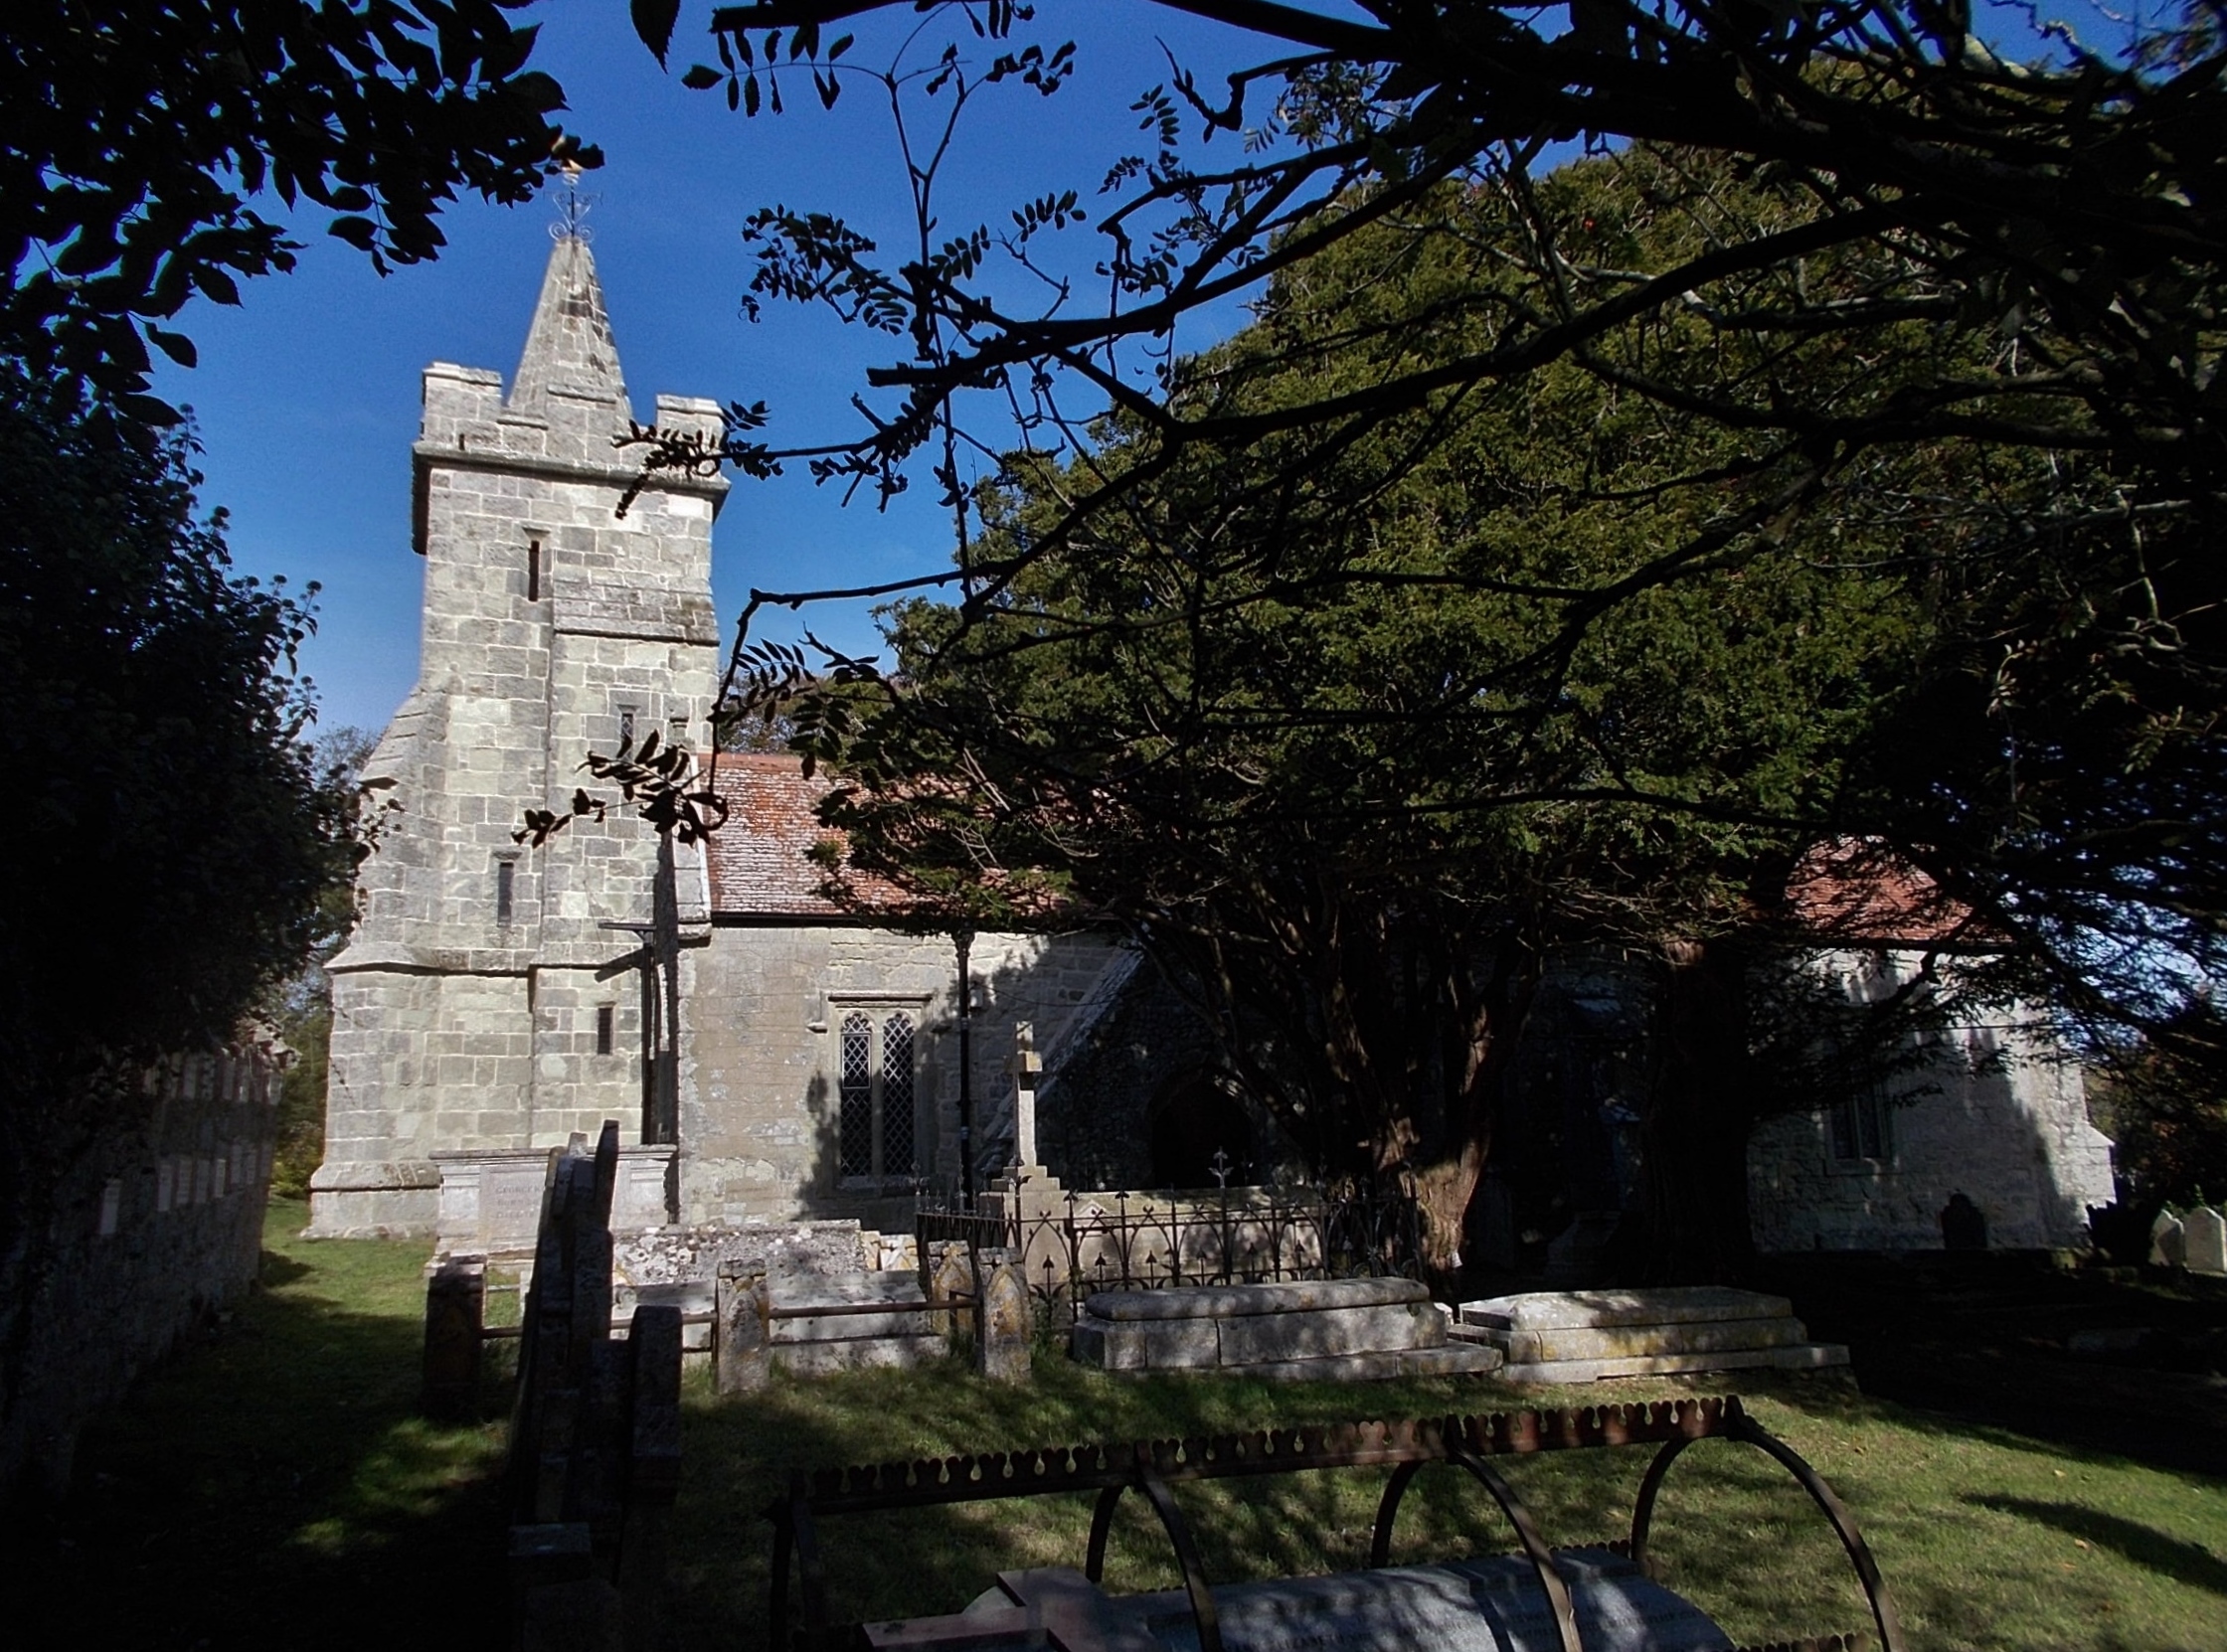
(306, 396)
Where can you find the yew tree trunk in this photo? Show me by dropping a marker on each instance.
(1688, 1223)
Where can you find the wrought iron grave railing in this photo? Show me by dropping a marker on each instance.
(1070, 1244)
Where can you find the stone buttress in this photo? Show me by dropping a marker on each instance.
(494, 994)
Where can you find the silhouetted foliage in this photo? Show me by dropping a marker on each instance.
(136, 134)
(169, 846)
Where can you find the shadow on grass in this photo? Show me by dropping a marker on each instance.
(2186, 1563)
(739, 1453)
(277, 1270)
(273, 1485)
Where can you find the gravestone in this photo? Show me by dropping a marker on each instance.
(2167, 1240)
(742, 1361)
(2204, 1242)
(1964, 1225)
(455, 1310)
(1002, 1355)
(951, 1281)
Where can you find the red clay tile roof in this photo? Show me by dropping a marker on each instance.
(1856, 889)
(760, 859)
(760, 865)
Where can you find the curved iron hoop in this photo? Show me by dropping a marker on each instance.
(1102, 1521)
(777, 1603)
(1187, 1557)
(793, 1532)
(1746, 1429)
(1388, 1510)
(1535, 1548)
(1203, 1609)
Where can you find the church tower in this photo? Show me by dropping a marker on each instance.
(494, 994)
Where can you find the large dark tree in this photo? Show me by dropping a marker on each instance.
(136, 135)
(168, 844)
(1354, 766)
(2055, 225)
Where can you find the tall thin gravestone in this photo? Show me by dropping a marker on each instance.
(455, 1311)
(2167, 1240)
(1027, 1067)
(1002, 1354)
(742, 1357)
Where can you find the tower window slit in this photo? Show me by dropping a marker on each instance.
(605, 1021)
(506, 882)
(533, 571)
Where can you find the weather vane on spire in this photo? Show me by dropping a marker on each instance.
(573, 211)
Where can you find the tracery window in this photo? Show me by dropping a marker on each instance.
(1862, 1126)
(875, 1091)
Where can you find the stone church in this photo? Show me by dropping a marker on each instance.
(774, 1058)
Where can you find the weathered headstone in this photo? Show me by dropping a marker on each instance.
(2204, 1239)
(1964, 1225)
(1002, 1351)
(742, 1357)
(952, 1282)
(2167, 1240)
(455, 1310)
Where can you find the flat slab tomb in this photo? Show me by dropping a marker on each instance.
(1490, 1604)
(1329, 1329)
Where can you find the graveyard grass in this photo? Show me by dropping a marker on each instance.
(1987, 1540)
(271, 1485)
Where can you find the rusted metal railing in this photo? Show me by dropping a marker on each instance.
(1154, 1467)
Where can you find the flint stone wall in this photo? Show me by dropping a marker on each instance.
(2012, 1136)
(759, 1061)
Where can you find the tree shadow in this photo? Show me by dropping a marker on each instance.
(2186, 1563)
(274, 1480)
(1983, 1340)
(275, 1269)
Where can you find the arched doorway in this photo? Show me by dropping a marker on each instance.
(1193, 1123)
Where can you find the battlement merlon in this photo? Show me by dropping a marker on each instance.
(473, 445)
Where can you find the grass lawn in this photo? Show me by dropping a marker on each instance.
(1987, 1539)
(271, 1486)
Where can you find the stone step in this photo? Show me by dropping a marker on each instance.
(1462, 1360)
(790, 1293)
(1808, 1356)
(1190, 1344)
(1590, 1310)
(1623, 1342)
(880, 1353)
(813, 1290)
(1239, 1301)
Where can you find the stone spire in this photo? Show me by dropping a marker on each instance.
(568, 374)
